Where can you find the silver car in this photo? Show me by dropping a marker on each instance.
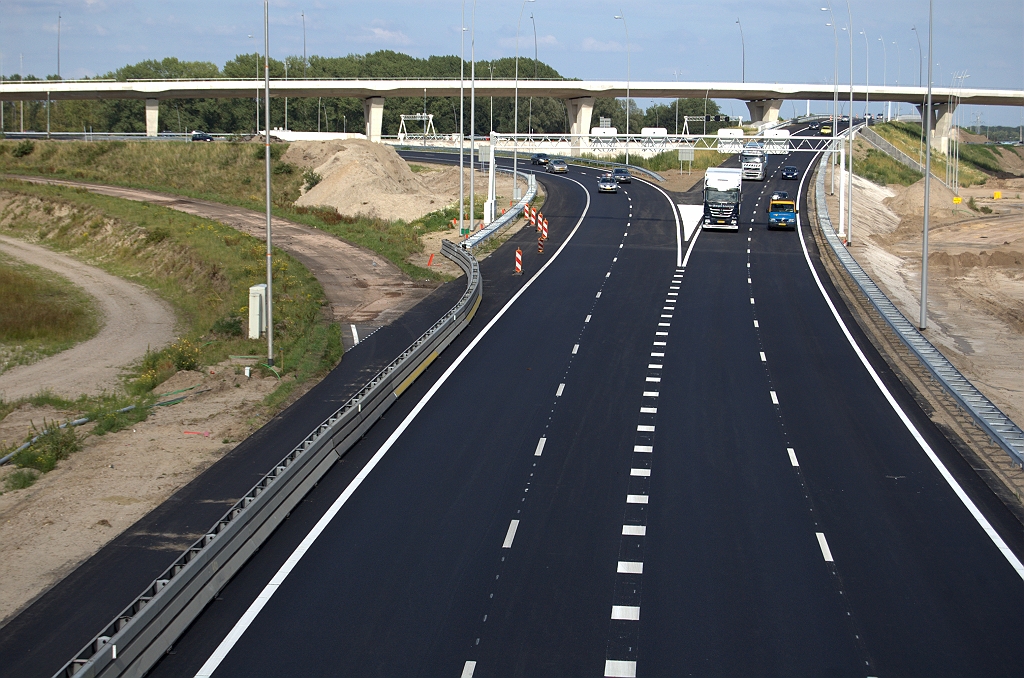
(606, 184)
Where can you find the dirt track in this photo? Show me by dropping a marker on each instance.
(134, 320)
(361, 286)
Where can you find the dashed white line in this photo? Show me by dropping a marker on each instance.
(650, 394)
(826, 553)
(648, 410)
(673, 287)
(664, 324)
(668, 308)
(468, 669)
(540, 446)
(636, 498)
(598, 294)
(644, 428)
(660, 343)
(673, 294)
(657, 355)
(661, 334)
(775, 398)
(751, 299)
(666, 315)
(629, 567)
(653, 366)
(575, 348)
(608, 274)
(748, 251)
(764, 358)
(587, 319)
(748, 281)
(755, 324)
(654, 380)
(510, 535)
(561, 388)
(614, 668)
(626, 612)
(640, 472)
(792, 456)
(643, 448)
(614, 259)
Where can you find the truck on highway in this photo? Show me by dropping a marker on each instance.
(722, 193)
(782, 214)
(753, 161)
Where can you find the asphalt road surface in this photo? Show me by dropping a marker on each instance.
(636, 468)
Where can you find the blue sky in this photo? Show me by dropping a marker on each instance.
(786, 41)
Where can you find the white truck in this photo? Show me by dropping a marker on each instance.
(753, 161)
(723, 189)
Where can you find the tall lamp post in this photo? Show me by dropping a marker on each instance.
(743, 52)
(867, 76)
(835, 95)
(885, 65)
(515, 123)
(927, 181)
(529, 124)
(899, 72)
(472, 118)
(58, 45)
(849, 133)
(462, 124)
(257, 52)
(266, 157)
(622, 15)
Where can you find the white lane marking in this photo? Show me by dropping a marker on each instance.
(664, 324)
(690, 248)
(643, 448)
(575, 347)
(650, 394)
(616, 668)
(748, 281)
(826, 553)
(673, 294)
(625, 234)
(943, 471)
(540, 446)
(775, 398)
(636, 498)
(608, 274)
(510, 535)
(657, 355)
(355, 335)
(653, 366)
(748, 251)
(661, 334)
(748, 264)
(620, 246)
(614, 259)
(667, 315)
(640, 472)
(748, 239)
(629, 567)
(654, 380)
(626, 612)
(675, 214)
(751, 299)
(673, 287)
(561, 388)
(660, 343)
(648, 410)
(755, 324)
(764, 358)
(634, 530)
(645, 428)
(468, 669)
(792, 456)
(599, 294)
(587, 319)
(271, 588)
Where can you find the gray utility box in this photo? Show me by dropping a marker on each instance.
(257, 310)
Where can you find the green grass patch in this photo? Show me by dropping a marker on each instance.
(669, 160)
(21, 479)
(42, 313)
(982, 157)
(52, 445)
(907, 137)
(880, 168)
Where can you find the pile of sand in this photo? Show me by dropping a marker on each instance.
(360, 177)
(909, 201)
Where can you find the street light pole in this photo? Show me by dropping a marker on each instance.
(472, 118)
(303, 43)
(58, 45)
(462, 124)
(885, 66)
(529, 124)
(835, 95)
(849, 133)
(743, 51)
(927, 181)
(515, 123)
(622, 15)
(266, 157)
(867, 76)
(899, 72)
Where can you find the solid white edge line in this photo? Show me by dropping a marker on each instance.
(693, 242)
(355, 335)
(943, 471)
(675, 213)
(257, 605)
(510, 535)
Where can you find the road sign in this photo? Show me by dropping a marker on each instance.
(686, 154)
(957, 200)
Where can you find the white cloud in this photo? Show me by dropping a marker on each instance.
(593, 45)
(379, 35)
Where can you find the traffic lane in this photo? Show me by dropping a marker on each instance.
(929, 586)
(551, 614)
(735, 583)
(523, 329)
(564, 206)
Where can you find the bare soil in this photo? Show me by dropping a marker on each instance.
(133, 320)
(49, 528)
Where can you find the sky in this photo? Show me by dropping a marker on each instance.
(784, 40)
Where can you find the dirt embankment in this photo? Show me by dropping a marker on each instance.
(976, 274)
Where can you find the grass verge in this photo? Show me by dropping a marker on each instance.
(882, 169)
(42, 313)
(907, 137)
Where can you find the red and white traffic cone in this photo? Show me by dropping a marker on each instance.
(519, 262)
(544, 230)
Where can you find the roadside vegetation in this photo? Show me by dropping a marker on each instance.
(41, 314)
(229, 173)
(881, 168)
(908, 137)
(667, 161)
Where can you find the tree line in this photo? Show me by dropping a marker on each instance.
(239, 116)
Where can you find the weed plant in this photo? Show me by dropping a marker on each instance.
(21, 479)
(52, 445)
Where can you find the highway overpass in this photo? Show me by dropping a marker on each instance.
(764, 100)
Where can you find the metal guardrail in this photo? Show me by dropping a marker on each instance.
(990, 418)
(138, 637)
(505, 219)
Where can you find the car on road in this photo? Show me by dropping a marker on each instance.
(825, 130)
(606, 184)
(201, 136)
(780, 195)
(539, 159)
(558, 166)
(814, 125)
(781, 214)
(790, 172)
(622, 175)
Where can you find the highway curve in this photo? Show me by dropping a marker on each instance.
(639, 469)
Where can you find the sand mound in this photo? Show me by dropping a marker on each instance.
(909, 201)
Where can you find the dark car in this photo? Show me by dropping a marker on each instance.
(606, 184)
(539, 159)
(622, 175)
(814, 125)
(201, 136)
(790, 172)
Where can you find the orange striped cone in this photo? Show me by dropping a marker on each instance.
(544, 230)
(519, 262)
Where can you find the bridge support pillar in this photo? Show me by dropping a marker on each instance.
(373, 114)
(581, 113)
(152, 117)
(765, 110)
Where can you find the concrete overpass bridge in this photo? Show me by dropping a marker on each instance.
(764, 100)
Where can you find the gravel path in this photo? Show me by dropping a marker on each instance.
(134, 319)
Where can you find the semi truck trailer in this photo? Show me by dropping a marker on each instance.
(722, 193)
